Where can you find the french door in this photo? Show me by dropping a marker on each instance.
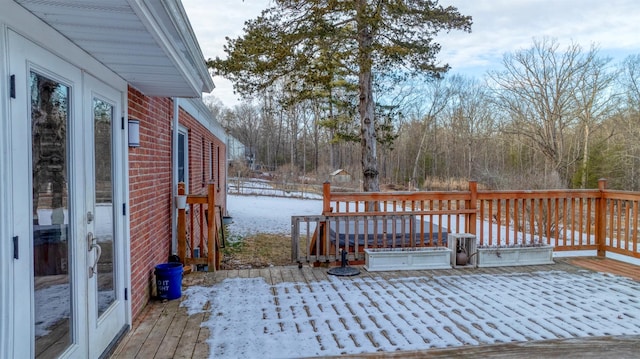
(67, 180)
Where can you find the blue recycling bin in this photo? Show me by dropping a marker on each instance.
(169, 280)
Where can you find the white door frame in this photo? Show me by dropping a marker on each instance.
(21, 60)
(19, 343)
(6, 230)
(101, 330)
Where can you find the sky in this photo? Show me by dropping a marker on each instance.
(499, 27)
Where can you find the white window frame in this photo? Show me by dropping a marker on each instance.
(183, 131)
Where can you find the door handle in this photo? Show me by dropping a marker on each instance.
(93, 244)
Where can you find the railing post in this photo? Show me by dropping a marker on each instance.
(295, 239)
(472, 221)
(601, 219)
(182, 226)
(211, 225)
(326, 197)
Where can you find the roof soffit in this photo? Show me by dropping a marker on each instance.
(150, 45)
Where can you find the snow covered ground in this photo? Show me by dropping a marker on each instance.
(251, 318)
(264, 214)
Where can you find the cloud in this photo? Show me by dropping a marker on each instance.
(499, 27)
(212, 22)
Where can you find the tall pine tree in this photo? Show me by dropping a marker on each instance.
(311, 43)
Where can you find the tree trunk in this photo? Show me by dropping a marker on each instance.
(414, 173)
(585, 157)
(332, 133)
(366, 105)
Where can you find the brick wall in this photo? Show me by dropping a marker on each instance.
(150, 185)
(150, 193)
(208, 166)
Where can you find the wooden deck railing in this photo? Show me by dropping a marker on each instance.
(199, 229)
(597, 219)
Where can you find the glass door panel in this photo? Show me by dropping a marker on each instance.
(51, 236)
(104, 227)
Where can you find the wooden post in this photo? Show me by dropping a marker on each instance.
(471, 220)
(182, 226)
(601, 219)
(212, 233)
(326, 196)
(322, 226)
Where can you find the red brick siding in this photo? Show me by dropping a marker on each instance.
(199, 135)
(150, 193)
(150, 185)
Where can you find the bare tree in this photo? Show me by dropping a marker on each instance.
(433, 102)
(469, 120)
(245, 126)
(630, 83)
(595, 102)
(536, 91)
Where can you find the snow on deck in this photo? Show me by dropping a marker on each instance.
(251, 318)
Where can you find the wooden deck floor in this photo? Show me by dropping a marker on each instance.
(164, 330)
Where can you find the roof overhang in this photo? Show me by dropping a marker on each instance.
(149, 43)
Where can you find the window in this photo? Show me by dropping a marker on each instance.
(212, 163)
(218, 164)
(204, 164)
(183, 157)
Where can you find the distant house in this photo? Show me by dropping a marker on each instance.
(236, 149)
(340, 176)
(100, 117)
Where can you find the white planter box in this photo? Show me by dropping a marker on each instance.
(468, 243)
(515, 256)
(387, 259)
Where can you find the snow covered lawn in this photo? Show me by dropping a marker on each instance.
(263, 214)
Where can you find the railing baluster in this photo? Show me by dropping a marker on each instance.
(508, 223)
(581, 223)
(634, 227)
(627, 214)
(618, 228)
(612, 206)
(366, 232)
(499, 222)
(589, 222)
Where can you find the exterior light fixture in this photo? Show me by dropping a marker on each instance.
(134, 133)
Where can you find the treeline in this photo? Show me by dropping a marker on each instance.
(550, 117)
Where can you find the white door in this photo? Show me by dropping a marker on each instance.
(104, 193)
(61, 308)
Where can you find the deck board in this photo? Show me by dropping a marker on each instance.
(201, 348)
(187, 343)
(164, 330)
(169, 343)
(607, 265)
(586, 348)
(137, 338)
(159, 331)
